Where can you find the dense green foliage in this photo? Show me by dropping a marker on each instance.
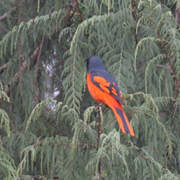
(50, 127)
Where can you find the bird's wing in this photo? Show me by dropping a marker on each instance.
(106, 83)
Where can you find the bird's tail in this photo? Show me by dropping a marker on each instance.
(122, 120)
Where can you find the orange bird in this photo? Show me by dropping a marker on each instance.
(103, 88)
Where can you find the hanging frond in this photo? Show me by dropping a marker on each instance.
(29, 151)
(145, 159)
(5, 121)
(64, 136)
(7, 165)
(44, 106)
(140, 44)
(4, 118)
(3, 95)
(50, 152)
(46, 25)
(80, 49)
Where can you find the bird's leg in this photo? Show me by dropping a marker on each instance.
(100, 105)
(106, 108)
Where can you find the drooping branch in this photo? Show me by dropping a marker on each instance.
(22, 68)
(164, 48)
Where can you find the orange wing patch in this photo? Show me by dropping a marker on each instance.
(101, 80)
(102, 83)
(104, 88)
(105, 84)
(114, 91)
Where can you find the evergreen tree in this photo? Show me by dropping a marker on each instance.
(50, 127)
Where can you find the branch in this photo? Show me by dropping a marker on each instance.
(39, 53)
(22, 68)
(133, 9)
(177, 14)
(177, 87)
(4, 67)
(170, 59)
(33, 56)
(36, 70)
(5, 15)
(19, 6)
(79, 11)
(99, 132)
(173, 73)
(138, 152)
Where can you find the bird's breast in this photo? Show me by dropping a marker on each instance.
(95, 92)
(100, 95)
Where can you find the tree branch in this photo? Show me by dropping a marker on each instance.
(99, 132)
(133, 9)
(4, 67)
(5, 15)
(22, 68)
(79, 11)
(177, 14)
(170, 66)
(37, 99)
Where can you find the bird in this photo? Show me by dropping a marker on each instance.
(104, 89)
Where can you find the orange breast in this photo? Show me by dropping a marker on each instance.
(99, 95)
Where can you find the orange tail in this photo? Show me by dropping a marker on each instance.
(123, 120)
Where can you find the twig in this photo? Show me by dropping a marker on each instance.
(19, 50)
(36, 70)
(175, 78)
(19, 6)
(133, 9)
(172, 70)
(177, 14)
(79, 11)
(170, 60)
(134, 17)
(4, 67)
(19, 73)
(93, 146)
(140, 154)
(5, 15)
(177, 87)
(24, 65)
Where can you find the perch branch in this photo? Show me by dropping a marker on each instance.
(99, 132)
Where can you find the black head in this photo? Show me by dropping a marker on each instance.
(94, 63)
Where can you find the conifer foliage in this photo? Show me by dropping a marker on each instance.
(50, 128)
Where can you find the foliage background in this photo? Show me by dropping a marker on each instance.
(50, 128)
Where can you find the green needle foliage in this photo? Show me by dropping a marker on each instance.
(50, 127)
